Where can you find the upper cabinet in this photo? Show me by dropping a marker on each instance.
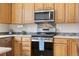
(77, 12)
(59, 12)
(70, 13)
(38, 6)
(17, 13)
(48, 6)
(22, 14)
(5, 13)
(28, 13)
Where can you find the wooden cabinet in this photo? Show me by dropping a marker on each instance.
(28, 13)
(48, 6)
(17, 13)
(77, 12)
(38, 6)
(70, 13)
(65, 47)
(72, 47)
(60, 47)
(60, 50)
(26, 46)
(22, 46)
(17, 46)
(5, 13)
(60, 12)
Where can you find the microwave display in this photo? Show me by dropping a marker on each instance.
(44, 15)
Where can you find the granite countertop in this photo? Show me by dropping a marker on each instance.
(13, 35)
(67, 35)
(4, 49)
(60, 36)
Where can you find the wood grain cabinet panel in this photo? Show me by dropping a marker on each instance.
(70, 13)
(22, 46)
(60, 47)
(72, 47)
(60, 12)
(48, 6)
(38, 6)
(17, 46)
(28, 13)
(60, 50)
(5, 13)
(26, 46)
(65, 47)
(17, 13)
(77, 12)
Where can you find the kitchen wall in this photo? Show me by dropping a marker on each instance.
(69, 28)
(4, 27)
(27, 28)
(33, 28)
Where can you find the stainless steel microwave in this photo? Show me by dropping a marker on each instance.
(44, 16)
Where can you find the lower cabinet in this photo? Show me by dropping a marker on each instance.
(65, 47)
(26, 46)
(17, 46)
(22, 46)
(60, 50)
(62, 46)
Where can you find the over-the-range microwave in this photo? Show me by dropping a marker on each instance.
(44, 16)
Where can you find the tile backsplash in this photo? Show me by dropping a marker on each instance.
(27, 28)
(4, 27)
(68, 28)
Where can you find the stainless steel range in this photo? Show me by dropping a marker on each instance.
(45, 33)
(42, 41)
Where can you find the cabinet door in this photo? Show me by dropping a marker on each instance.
(70, 13)
(17, 46)
(28, 13)
(26, 46)
(60, 50)
(77, 12)
(38, 6)
(17, 13)
(59, 12)
(5, 13)
(48, 6)
(72, 47)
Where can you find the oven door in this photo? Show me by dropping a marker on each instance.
(48, 49)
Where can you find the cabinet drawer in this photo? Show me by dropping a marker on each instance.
(60, 41)
(26, 39)
(26, 44)
(17, 39)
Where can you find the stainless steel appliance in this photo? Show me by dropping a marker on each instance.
(44, 16)
(45, 31)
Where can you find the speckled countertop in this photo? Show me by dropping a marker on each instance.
(67, 35)
(3, 36)
(59, 35)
